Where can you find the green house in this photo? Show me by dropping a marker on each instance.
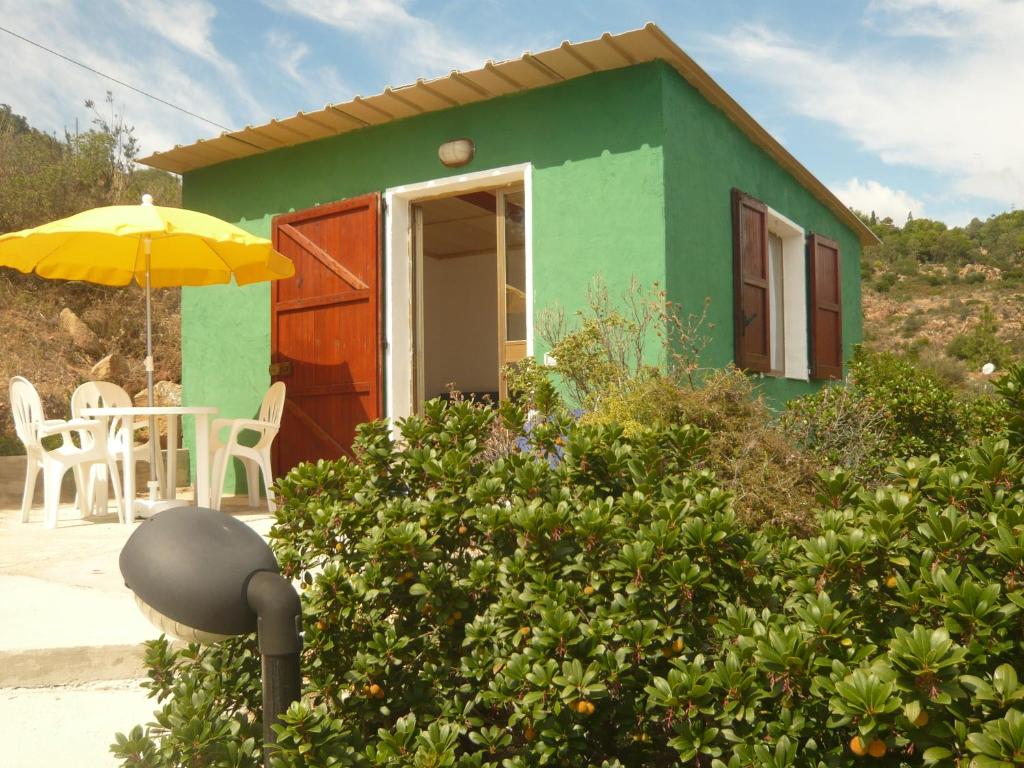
(429, 224)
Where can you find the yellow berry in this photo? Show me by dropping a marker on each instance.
(891, 582)
(876, 748)
(585, 707)
(921, 720)
(858, 747)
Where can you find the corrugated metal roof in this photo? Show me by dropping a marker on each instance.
(531, 70)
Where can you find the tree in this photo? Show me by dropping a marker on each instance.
(47, 178)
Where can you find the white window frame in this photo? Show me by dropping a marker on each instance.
(794, 289)
(399, 339)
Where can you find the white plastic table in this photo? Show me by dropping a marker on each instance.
(171, 413)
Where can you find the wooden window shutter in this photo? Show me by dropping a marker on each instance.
(750, 283)
(826, 316)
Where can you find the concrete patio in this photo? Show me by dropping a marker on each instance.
(71, 640)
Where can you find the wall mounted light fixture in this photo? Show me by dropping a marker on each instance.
(456, 152)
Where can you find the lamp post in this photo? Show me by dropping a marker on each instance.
(203, 576)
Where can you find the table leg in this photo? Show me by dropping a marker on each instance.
(202, 460)
(98, 479)
(129, 476)
(170, 491)
(99, 476)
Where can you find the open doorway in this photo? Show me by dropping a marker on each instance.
(470, 292)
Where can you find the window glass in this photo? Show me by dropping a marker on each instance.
(515, 267)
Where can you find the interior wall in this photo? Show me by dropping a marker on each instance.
(460, 334)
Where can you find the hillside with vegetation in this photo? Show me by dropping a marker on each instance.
(950, 298)
(56, 332)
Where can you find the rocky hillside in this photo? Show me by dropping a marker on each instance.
(59, 334)
(952, 299)
(954, 332)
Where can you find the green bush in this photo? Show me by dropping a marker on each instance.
(949, 370)
(604, 365)
(840, 426)
(884, 282)
(908, 267)
(888, 407)
(980, 344)
(10, 445)
(770, 478)
(922, 414)
(590, 599)
(911, 325)
(1011, 389)
(1012, 274)
(974, 278)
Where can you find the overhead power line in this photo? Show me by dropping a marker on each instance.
(114, 79)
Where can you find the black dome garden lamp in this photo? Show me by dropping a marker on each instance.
(203, 576)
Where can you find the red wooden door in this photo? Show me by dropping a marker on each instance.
(326, 332)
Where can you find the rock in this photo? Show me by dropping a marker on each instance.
(165, 393)
(82, 336)
(113, 368)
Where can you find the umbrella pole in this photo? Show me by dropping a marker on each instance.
(153, 434)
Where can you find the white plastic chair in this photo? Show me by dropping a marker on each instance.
(104, 394)
(255, 458)
(32, 427)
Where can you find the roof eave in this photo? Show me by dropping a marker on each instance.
(568, 61)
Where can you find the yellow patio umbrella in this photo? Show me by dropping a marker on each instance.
(153, 245)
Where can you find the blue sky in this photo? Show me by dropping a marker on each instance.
(897, 105)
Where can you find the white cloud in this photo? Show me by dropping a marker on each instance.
(186, 23)
(167, 51)
(287, 53)
(870, 195)
(318, 85)
(952, 109)
(416, 45)
(351, 15)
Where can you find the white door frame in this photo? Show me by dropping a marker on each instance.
(399, 347)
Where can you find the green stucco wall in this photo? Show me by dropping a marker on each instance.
(598, 205)
(705, 156)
